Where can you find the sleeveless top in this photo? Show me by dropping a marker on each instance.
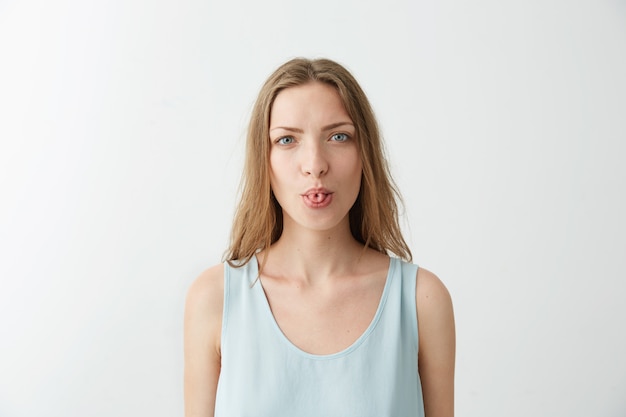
(264, 375)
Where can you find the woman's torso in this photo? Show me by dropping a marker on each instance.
(264, 374)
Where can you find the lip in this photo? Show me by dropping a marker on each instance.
(311, 197)
(319, 190)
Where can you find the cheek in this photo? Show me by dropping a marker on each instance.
(278, 168)
(358, 170)
(273, 164)
(357, 166)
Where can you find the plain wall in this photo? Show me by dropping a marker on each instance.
(122, 126)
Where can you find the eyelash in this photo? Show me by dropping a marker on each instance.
(345, 137)
(280, 140)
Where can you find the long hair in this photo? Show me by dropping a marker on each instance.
(258, 221)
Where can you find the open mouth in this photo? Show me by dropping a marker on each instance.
(317, 199)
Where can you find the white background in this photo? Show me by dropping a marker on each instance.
(122, 127)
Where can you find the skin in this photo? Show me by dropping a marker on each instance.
(322, 287)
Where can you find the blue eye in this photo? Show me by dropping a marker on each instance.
(339, 137)
(287, 140)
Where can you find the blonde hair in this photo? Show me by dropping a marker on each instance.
(258, 221)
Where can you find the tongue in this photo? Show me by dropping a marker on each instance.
(317, 198)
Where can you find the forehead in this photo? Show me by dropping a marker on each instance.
(311, 102)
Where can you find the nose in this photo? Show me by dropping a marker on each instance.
(314, 161)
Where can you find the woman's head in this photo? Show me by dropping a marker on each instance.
(374, 216)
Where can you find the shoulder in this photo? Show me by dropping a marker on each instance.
(205, 300)
(430, 291)
(202, 341)
(437, 343)
(435, 315)
(208, 287)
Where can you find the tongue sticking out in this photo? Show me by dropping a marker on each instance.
(317, 198)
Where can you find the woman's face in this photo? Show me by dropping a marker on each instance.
(315, 167)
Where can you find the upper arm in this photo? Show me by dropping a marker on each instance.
(202, 333)
(437, 344)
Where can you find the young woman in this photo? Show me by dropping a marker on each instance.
(317, 308)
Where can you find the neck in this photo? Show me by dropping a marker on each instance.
(311, 255)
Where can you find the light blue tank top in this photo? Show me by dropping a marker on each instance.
(264, 375)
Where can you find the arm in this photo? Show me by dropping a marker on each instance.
(437, 344)
(203, 326)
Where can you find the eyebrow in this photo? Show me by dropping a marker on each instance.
(324, 129)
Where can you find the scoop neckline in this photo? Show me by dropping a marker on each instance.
(358, 342)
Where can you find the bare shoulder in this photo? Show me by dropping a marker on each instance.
(204, 308)
(434, 306)
(430, 291)
(208, 283)
(437, 344)
(202, 328)
(206, 294)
